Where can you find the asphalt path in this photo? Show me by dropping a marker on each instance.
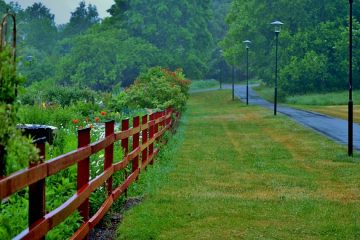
(334, 128)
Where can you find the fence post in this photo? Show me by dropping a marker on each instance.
(83, 172)
(144, 135)
(151, 136)
(157, 116)
(37, 190)
(109, 154)
(136, 137)
(125, 144)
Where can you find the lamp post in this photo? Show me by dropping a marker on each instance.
(233, 79)
(221, 68)
(247, 45)
(29, 59)
(350, 104)
(277, 25)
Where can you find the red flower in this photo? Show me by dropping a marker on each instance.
(75, 121)
(97, 119)
(90, 126)
(103, 113)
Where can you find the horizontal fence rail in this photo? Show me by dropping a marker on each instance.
(149, 127)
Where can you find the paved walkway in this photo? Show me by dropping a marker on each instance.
(334, 128)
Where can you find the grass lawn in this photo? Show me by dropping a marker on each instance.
(237, 172)
(340, 111)
(332, 104)
(204, 84)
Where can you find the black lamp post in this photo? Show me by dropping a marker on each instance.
(29, 59)
(350, 105)
(277, 25)
(233, 79)
(221, 68)
(247, 45)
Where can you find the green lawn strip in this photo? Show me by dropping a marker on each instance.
(238, 172)
(313, 99)
(204, 84)
(338, 111)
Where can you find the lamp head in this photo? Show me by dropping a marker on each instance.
(247, 43)
(277, 25)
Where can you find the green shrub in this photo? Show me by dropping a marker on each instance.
(156, 89)
(56, 95)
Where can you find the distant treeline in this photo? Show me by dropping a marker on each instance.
(101, 55)
(313, 42)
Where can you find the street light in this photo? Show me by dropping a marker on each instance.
(247, 45)
(29, 59)
(221, 68)
(233, 78)
(277, 25)
(350, 104)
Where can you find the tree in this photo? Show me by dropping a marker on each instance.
(312, 30)
(81, 19)
(38, 27)
(179, 28)
(103, 58)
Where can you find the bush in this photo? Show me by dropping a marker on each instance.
(64, 96)
(158, 88)
(304, 75)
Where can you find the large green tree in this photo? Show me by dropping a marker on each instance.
(81, 19)
(179, 28)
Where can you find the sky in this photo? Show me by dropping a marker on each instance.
(63, 8)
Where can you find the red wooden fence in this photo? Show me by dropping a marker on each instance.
(151, 129)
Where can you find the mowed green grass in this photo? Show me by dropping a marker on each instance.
(204, 84)
(240, 173)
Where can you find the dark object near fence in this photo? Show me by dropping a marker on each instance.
(38, 131)
(151, 129)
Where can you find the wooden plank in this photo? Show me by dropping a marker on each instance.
(102, 144)
(121, 165)
(62, 162)
(123, 134)
(135, 130)
(134, 153)
(82, 232)
(121, 189)
(22, 179)
(101, 212)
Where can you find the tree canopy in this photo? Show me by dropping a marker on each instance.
(313, 42)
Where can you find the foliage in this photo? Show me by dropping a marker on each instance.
(178, 28)
(56, 95)
(81, 19)
(102, 59)
(158, 88)
(18, 148)
(314, 33)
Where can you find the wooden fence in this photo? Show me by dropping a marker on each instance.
(151, 128)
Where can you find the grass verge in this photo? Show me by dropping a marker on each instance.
(204, 84)
(240, 173)
(332, 104)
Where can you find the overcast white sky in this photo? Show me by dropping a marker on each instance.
(63, 8)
